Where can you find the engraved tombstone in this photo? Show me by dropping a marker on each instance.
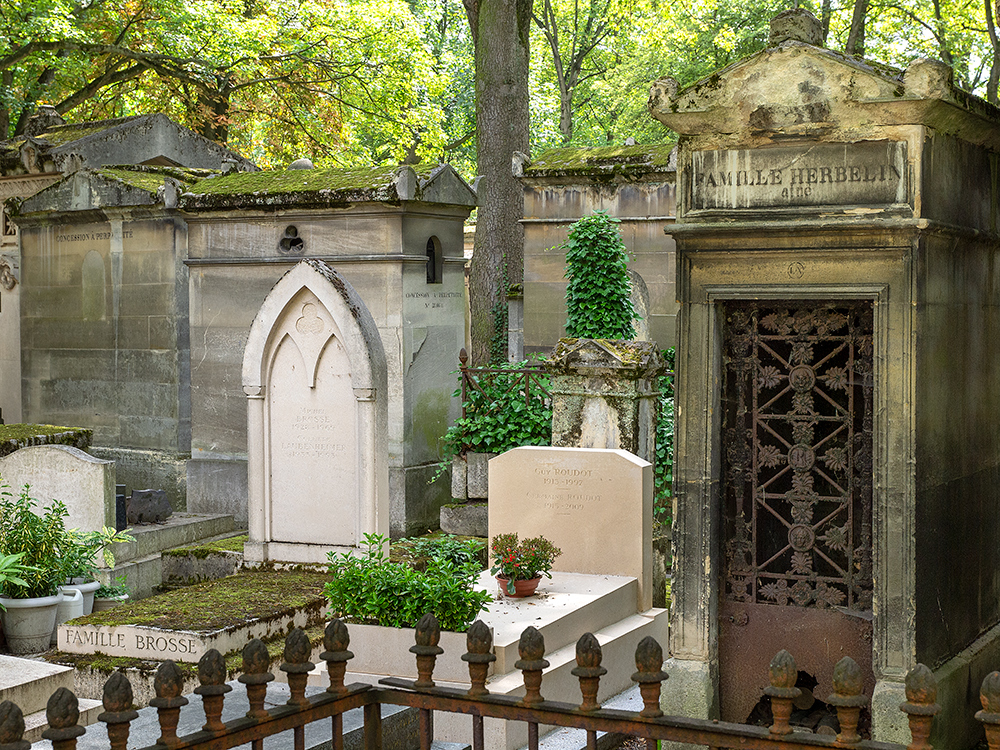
(314, 372)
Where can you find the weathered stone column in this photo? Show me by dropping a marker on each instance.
(604, 394)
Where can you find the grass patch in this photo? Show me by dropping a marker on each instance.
(222, 603)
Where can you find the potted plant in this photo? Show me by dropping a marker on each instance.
(111, 595)
(28, 599)
(80, 571)
(519, 566)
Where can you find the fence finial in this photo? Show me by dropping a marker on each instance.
(989, 696)
(336, 639)
(782, 690)
(213, 688)
(255, 676)
(297, 666)
(118, 711)
(531, 649)
(12, 727)
(62, 713)
(650, 675)
(848, 683)
(479, 642)
(428, 633)
(168, 684)
(921, 705)
(588, 668)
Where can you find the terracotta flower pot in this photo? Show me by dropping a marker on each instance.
(521, 588)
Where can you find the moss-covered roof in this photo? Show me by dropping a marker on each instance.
(63, 134)
(16, 436)
(324, 187)
(601, 161)
(150, 179)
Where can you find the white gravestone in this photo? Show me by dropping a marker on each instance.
(314, 373)
(595, 504)
(86, 485)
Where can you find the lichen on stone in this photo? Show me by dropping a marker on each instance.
(601, 160)
(16, 436)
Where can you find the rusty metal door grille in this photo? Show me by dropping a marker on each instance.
(797, 468)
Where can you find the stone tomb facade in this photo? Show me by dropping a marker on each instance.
(140, 285)
(595, 504)
(837, 451)
(635, 184)
(314, 374)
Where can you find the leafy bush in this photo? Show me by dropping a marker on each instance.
(663, 471)
(370, 587)
(598, 298)
(497, 415)
(457, 551)
(40, 540)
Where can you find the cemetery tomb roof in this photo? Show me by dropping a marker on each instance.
(323, 187)
(150, 179)
(603, 160)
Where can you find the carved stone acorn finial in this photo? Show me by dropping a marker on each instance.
(921, 686)
(479, 639)
(212, 668)
(117, 693)
(256, 660)
(62, 710)
(428, 631)
(335, 637)
(297, 648)
(588, 653)
(649, 661)
(531, 648)
(782, 670)
(847, 677)
(989, 694)
(11, 723)
(169, 681)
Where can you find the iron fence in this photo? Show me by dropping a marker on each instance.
(649, 724)
(528, 380)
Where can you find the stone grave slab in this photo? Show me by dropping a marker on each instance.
(595, 504)
(58, 472)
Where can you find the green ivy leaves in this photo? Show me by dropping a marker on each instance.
(598, 299)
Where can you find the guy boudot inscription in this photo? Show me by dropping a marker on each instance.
(565, 490)
(824, 174)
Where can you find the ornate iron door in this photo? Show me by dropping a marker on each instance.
(796, 493)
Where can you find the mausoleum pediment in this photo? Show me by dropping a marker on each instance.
(795, 88)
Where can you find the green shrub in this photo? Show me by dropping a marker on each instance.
(598, 298)
(663, 471)
(40, 540)
(497, 415)
(371, 588)
(457, 551)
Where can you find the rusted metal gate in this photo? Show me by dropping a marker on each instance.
(796, 494)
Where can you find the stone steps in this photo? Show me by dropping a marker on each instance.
(29, 683)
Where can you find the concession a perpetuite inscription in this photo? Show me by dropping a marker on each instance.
(824, 174)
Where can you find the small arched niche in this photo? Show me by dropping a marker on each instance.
(435, 261)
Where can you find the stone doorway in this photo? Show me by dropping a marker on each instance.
(797, 417)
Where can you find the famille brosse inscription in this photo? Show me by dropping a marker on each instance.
(826, 174)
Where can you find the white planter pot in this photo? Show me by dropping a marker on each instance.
(28, 623)
(87, 589)
(109, 602)
(70, 607)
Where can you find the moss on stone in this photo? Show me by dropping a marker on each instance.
(150, 179)
(201, 551)
(602, 160)
(16, 436)
(222, 603)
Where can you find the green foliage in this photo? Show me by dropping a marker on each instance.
(370, 587)
(663, 470)
(497, 415)
(522, 561)
(41, 541)
(458, 552)
(113, 590)
(82, 546)
(598, 301)
(11, 571)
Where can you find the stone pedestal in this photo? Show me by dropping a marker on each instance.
(604, 394)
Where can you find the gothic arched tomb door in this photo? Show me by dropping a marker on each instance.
(796, 494)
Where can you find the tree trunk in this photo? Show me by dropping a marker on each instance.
(856, 37)
(991, 28)
(825, 14)
(501, 43)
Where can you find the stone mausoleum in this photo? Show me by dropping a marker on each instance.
(838, 455)
(139, 284)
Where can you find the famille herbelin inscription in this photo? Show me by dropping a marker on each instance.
(825, 174)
